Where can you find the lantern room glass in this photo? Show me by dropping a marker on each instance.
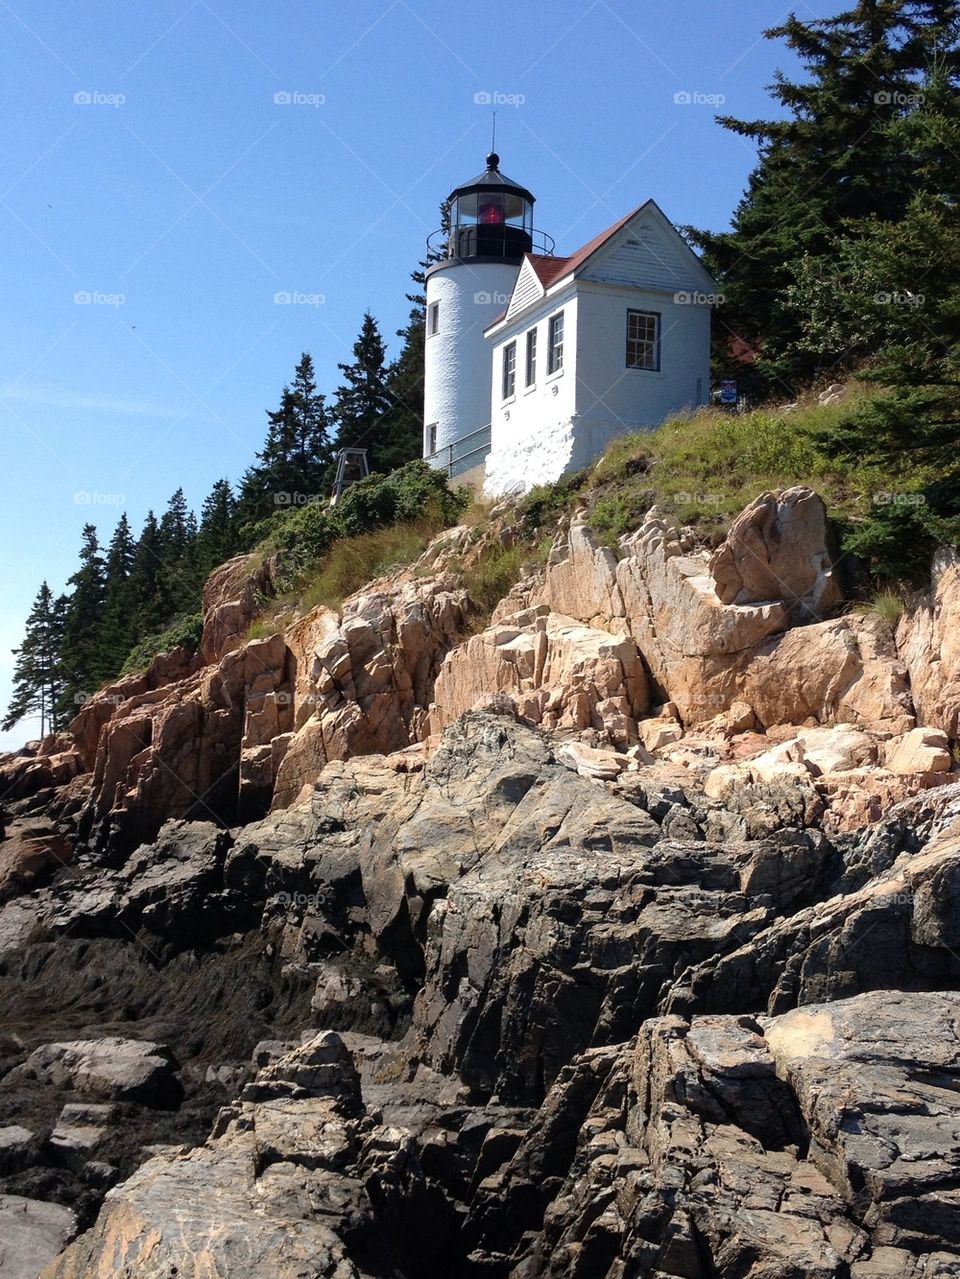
(493, 208)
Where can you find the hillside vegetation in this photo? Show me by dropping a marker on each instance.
(698, 469)
(702, 469)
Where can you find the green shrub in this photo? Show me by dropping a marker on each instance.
(544, 504)
(895, 540)
(264, 627)
(185, 633)
(415, 492)
(492, 576)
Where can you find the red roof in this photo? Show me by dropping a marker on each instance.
(550, 269)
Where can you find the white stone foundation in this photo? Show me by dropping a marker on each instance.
(549, 451)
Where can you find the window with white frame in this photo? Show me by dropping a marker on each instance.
(531, 367)
(643, 340)
(555, 343)
(509, 370)
(430, 439)
(433, 319)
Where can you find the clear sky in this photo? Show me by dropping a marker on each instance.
(181, 162)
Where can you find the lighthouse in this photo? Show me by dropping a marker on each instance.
(491, 228)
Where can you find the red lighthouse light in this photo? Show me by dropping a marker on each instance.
(491, 214)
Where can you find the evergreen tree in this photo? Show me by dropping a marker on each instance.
(400, 438)
(363, 398)
(150, 605)
(80, 657)
(177, 534)
(217, 535)
(831, 160)
(117, 635)
(308, 422)
(914, 426)
(295, 459)
(37, 688)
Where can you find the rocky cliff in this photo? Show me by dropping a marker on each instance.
(616, 935)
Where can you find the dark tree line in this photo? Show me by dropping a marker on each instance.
(138, 587)
(844, 255)
(841, 164)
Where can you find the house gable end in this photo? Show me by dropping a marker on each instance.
(648, 253)
(527, 290)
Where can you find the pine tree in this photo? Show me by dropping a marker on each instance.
(363, 398)
(310, 451)
(217, 535)
(294, 463)
(400, 438)
(177, 534)
(150, 605)
(914, 425)
(37, 686)
(80, 657)
(116, 634)
(831, 160)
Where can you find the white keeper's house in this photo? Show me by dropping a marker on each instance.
(534, 362)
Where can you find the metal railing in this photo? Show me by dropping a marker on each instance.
(444, 243)
(463, 454)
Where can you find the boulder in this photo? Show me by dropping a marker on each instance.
(233, 596)
(22, 776)
(836, 749)
(79, 1131)
(31, 853)
(818, 1144)
(363, 680)
(174, 751)
(868, 1075)
(922, 750)
(166, 669)
(777, 549)
(707, 656)
(928, 642)
(112, 1068)
(19, 1148)
(31, 1235)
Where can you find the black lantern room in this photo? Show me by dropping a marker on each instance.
(491, 217)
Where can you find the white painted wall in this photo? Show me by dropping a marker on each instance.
(456, 391)
(533, 413)
(608, 393)
(567, 419)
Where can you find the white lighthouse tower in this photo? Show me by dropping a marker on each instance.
(491, 228)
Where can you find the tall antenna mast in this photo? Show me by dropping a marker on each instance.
(493, 136)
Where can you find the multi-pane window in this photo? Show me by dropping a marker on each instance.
(643, 340)
(433, 319)
(531, 370)
(555, 343)
(509, 369)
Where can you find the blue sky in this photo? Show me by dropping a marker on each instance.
(152, 166)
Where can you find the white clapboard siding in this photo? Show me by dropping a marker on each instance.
(644, 257)
(526, 290)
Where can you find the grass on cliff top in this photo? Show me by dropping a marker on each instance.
(380, 525)
(703, 468)
(355, 561)
(350, 563)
